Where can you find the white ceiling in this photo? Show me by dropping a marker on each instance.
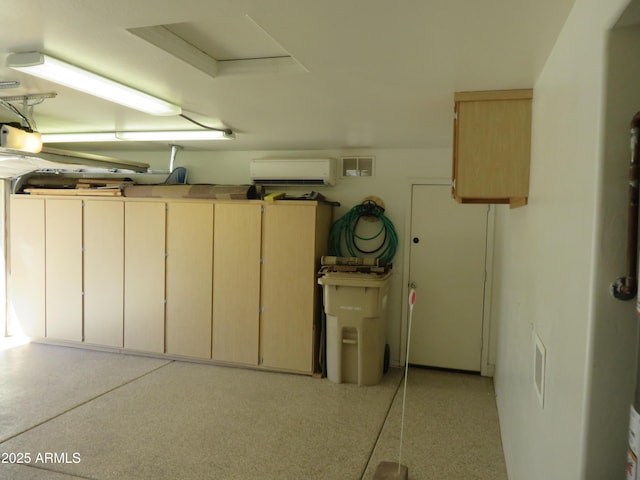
(372, 73)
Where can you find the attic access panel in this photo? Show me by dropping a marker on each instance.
(232, 44)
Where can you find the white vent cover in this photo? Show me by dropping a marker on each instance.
(358, 166)
(293, 171)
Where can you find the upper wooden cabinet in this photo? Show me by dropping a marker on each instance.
(491, 147)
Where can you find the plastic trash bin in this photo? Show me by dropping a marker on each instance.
(355, 305)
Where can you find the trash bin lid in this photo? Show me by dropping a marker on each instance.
(354, 279)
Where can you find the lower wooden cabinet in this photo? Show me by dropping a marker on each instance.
(63, 269)
(227, 281)
(236, 282)
(189, 279)
(144, 275)
(27, 266)
(294, 238)
(103, 264)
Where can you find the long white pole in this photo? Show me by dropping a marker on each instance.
(412, 300)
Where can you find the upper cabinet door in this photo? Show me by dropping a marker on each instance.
(492, 144)
(236, 282)
(189, 278)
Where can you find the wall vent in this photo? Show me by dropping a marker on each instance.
(358, 166)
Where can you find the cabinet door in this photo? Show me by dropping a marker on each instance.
(64, 269)
(189, 278)
(492, 142)
(236, 282)
(288, 286)
(27, 274)
(103, 272)
(144, 276)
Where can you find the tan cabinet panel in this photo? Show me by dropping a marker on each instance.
(189, 278)
(27, 265)
(144, 276)
(236, 282)
(64, 269)
(103, 272)
(289, 293)
(492, 143)
(181, 277)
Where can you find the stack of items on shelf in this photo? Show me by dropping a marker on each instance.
(86, 187)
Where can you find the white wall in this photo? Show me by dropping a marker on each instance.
(394, 170)
(614, 329)
(550, 277)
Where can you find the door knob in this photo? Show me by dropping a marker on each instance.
(416, 240)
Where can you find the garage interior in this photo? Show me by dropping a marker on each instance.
(517, 391)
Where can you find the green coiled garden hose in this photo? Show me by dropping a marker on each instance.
(343, 234)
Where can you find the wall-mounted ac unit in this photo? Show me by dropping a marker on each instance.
(289, 171)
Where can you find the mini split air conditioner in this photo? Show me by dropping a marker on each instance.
(307, 171)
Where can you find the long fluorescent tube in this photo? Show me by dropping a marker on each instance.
(176, 135)
(79, 137)
(49, 68)
(140, 136)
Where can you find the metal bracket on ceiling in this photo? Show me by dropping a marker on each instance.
(25, 99)
(9, 84)
(28, 102)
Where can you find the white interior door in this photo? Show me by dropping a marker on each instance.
(448, 251)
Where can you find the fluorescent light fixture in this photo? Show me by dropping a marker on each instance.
(79, 137)
(49, 68)
(176, 135)
(139, 136)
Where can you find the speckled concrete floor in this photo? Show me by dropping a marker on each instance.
(71, 413)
